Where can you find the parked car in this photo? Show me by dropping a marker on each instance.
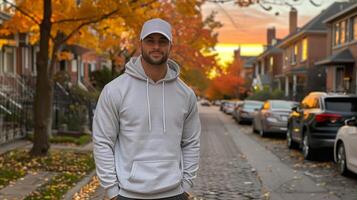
(236, 108)
(205, 102)
(246, 111)
(314, 124)
(272, 117)
(229, 107)
(221, 106)
(345, 149)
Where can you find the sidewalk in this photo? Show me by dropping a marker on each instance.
(280, 181)
(31, 181)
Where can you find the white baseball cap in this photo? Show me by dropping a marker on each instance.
(156, 25)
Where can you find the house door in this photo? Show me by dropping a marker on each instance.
(340, 72)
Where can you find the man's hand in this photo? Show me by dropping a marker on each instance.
(188, 196)
(114, 198)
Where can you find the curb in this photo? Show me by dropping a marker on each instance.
(70, 193)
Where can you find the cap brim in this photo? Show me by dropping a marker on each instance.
(162, 33)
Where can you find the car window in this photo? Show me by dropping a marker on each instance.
(341, 104)
(252, 105)
(287, 105)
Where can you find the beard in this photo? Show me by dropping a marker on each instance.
(153, 61)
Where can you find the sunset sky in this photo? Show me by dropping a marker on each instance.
(246, 27)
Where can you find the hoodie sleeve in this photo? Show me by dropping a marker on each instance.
(105, 131)
(190, 144)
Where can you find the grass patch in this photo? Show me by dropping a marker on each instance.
(84, 139)
(59, 139)
(70, 168)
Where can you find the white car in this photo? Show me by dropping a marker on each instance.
(345, 149)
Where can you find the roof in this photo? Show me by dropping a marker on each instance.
(339, 14)
(343, 57)
(316, 24)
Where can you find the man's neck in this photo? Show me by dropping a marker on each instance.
(155, 72)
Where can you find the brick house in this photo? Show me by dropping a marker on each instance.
(340, 63)
(302, 48)
(80, 64)
(267, 66)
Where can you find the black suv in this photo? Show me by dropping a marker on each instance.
(315, 122)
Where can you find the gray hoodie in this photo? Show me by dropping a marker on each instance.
(146, 134)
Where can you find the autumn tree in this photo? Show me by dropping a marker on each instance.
(229, 83)
(53, 23)
(194, 38)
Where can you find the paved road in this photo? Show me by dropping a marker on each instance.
(224, 172)
(235, 166)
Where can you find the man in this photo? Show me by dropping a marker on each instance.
(146, 127)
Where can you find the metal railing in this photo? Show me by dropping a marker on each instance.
(16, 99)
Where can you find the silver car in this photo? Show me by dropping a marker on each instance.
(245, 112)
(272, 117)
(345, 149)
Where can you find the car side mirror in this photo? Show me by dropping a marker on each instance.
(351, 122)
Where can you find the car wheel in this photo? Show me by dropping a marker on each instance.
(306, 148)
(262, 133)
(239, 120)
(341, 159)
(289, 140)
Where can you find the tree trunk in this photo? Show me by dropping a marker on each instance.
(44, 88)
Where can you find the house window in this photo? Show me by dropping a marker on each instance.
(304, 50)
(271, 62)
(294, 53)
(9, 60)
(74, 65)
(336, 34)
(343, 32)
(354, 28)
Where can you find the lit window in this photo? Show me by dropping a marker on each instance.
(304, 49)
(343, 32)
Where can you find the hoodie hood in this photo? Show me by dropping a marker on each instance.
(134, 68)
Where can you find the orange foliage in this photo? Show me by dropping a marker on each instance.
(228, 84)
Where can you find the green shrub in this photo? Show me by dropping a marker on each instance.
(265, 94)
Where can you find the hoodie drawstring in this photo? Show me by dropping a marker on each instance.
(148, 101)
(163, 106)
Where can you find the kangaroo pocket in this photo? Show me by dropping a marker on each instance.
(150, 177)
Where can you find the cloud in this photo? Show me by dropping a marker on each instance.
(248, 25)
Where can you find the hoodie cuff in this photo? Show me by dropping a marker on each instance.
(187, 187)
(113, 191)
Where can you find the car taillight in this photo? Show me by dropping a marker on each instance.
(328, 117)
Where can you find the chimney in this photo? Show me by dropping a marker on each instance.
(292, 20)
(271, 36)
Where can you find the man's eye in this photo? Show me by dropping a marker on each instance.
(163, 41)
